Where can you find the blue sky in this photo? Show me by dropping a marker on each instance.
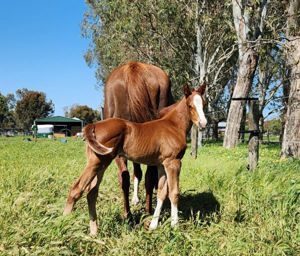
(41, 50)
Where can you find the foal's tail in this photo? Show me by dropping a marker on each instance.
(95, 145)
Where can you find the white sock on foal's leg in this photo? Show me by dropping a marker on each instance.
(154, 221)
(174, 215)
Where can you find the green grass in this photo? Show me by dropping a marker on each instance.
(224, 210)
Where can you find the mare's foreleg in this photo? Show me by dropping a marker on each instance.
(162, 193)
(151, 180)
(124, 181)
(137, 176)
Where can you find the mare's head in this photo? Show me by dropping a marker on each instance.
(195, 104)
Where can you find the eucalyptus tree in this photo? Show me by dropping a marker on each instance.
(270, 81)
(190, 40)
(249, 19)
(156, 32)
(291, 137)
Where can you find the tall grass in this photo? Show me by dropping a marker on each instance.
(224, 209)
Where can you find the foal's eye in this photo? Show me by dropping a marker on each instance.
(190, 106)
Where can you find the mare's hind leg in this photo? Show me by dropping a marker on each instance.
(124, 181)
(137, 176)
(162, 193)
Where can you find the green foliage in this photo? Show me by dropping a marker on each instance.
(3, 108)
(224, 210)
(274, 126)
(32, 105)
(85, 113)
(157, 32)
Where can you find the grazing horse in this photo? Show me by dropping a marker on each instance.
(136, 92)
(160, 142)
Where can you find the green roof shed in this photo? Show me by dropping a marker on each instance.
(63, 126)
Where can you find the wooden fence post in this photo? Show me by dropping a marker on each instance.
(253, 150)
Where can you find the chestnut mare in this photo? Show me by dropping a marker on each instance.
(136, 92)
(160, 142)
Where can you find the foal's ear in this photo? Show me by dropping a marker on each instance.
(186, 90)
(202, 88)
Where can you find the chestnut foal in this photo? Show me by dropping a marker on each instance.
(160, 142)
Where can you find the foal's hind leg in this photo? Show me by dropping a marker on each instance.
(94, 165)
(92, 194)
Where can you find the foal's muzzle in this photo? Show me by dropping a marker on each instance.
(202, 124)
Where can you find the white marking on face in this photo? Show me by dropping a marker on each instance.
(198, 102)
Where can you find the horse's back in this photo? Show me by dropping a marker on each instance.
(115, 96)
(111, 131)
(136, 91)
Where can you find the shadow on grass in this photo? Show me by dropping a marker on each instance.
(198, 206)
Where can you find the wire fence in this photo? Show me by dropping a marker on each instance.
(11, 132)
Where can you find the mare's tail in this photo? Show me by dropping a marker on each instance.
(95, 145)
(139, 99)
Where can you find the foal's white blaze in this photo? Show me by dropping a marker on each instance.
(198, 102)
(135, 198)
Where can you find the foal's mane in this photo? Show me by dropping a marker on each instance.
(140, 105)
(167, 109)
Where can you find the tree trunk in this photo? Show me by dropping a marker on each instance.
(215, 130)
(291, 136)
(262, 90)
(200, 138)
(248, 57)
(194, 141)
(243, 125)
(247, 66)
(253, 147)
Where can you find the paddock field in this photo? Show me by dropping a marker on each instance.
(224, 210)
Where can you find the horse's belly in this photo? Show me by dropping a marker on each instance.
(142, 157)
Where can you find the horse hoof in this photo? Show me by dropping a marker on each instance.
(135, 201)
(174, 224)
(153, 225)
(93, 228)
(66, 211)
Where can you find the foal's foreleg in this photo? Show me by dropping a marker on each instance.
(173, 169)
